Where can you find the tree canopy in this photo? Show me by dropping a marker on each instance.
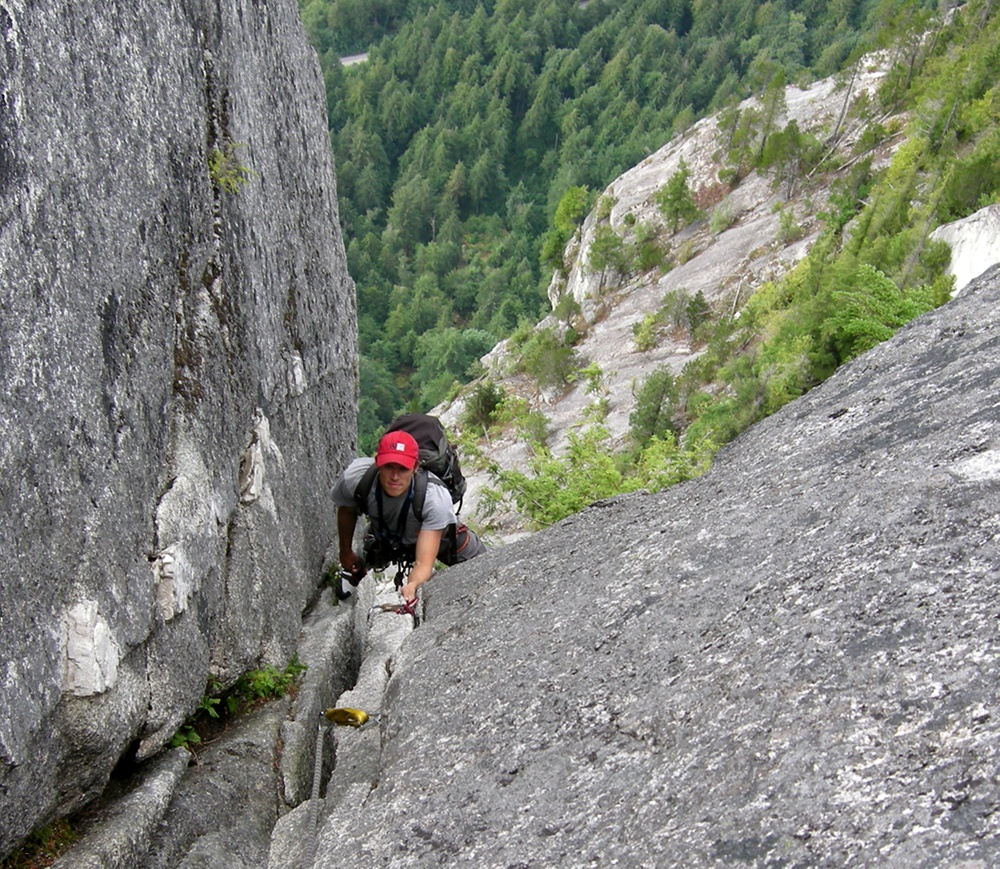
(459, 140)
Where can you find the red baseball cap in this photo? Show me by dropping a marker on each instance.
(397, 448)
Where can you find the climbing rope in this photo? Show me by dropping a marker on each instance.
(309, 857)
(345, 716)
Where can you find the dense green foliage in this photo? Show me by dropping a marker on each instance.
(873, 270)
(471, 123)
(218, 706)
(470, 144)
(555, 487)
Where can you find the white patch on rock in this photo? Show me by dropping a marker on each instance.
(252, 472)
(975, 244)
(92, 655)
(174, 581)
(297, 376)
(261, 451)
(980, 468)
(251, 475)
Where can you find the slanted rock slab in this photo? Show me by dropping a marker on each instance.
(792, 660)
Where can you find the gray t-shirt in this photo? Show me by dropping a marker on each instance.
(438, 510)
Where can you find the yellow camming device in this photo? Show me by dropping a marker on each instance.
(345, 716)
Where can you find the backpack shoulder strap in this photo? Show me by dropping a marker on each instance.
(363, 489)
(420, 481)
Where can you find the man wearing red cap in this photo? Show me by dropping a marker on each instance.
(411, 520)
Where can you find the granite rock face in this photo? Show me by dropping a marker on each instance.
(177, 373)
(790, 661)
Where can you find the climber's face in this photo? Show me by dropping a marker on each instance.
(395, 479)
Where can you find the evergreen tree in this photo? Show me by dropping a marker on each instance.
(675, 199)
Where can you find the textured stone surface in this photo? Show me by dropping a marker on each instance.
(122, 832)
(222, 812)
(790, 661)
(177, 373)
(355, 751)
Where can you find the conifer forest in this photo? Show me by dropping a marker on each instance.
(477, 135)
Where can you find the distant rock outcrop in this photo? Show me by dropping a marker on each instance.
(727, 256)
(974, 243)
(791, 661)
(177, 373)
(727, 263)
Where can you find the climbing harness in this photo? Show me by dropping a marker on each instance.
(383, 544)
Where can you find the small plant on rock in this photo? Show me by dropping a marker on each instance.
(252, 687)
(226, 170)
(43, 846)
(483, 405)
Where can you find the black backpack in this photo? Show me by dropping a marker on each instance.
(437, 455)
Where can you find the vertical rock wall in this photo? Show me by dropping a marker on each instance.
(177, 372)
